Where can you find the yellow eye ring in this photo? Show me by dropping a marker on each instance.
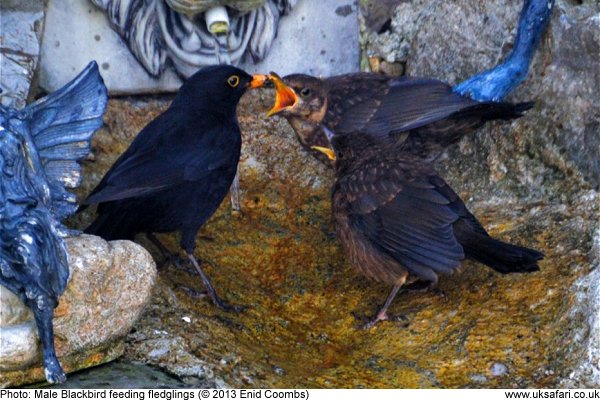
(233, 80)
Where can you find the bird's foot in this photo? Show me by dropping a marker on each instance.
(53, 371)
(231, 308)
(220, 303)
(385, 317)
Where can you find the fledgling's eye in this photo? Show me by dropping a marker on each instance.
(305, 92)
(233, 80)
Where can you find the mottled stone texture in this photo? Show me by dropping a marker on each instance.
(109, 286)
(455, 40)
(21, 25)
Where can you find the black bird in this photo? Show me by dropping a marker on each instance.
(422, 116)
(396, 218)
(177, 171)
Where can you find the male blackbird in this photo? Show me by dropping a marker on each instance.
(179, 168)
(423, 115)
(397, 218)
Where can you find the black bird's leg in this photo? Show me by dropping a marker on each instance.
(168, 255)
(382, 314)
(43, 313)
(211, 290)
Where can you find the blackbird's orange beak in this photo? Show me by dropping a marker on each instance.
(325, 150)
(285, 97)
(258, 80)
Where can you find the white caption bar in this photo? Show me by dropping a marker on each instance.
(293, 394)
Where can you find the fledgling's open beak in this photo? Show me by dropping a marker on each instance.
(285, 97)
(258, 80)
(325, 150)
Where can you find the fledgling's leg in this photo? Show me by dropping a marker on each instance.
(382, 314)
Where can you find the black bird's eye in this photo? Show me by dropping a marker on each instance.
(305, 92)
(233, 80)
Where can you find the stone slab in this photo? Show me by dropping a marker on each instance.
(78, 32)
(319, 38)
(21, 24)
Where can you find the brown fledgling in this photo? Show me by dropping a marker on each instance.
(397, 218)
(418, 115)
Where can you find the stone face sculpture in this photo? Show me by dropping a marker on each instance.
(160, 30)
(39, 149)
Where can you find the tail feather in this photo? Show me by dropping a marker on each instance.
(108, 226)
(493, 110)
(502, 257)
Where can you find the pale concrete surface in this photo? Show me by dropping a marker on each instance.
(319, 38)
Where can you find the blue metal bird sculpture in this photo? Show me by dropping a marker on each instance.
(494, 84)
(39, 149)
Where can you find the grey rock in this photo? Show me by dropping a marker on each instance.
(377, 13)
(476, 36)
(77, 32)
(109, 286)
(498, 369)
(22, 23)
(478, 378)
(587, 371)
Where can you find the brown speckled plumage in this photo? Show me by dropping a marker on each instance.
(421, 116)
(396, 217)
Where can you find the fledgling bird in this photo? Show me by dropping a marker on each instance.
(421, 116)
(178, 169)
(397, 218)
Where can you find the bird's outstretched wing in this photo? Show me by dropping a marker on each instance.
(160, 157)
(406, 214)
(61, 126)
(380, 106)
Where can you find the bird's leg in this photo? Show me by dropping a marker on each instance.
(211, 290)
(423, 287)
(382, 314)
(167, 255)
(43, 313)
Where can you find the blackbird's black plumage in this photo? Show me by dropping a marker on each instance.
(423, 116)
(396, 217)
(179, 168)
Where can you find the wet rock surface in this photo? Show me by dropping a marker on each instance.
(110, 284)
(280, 257)
(530, 182)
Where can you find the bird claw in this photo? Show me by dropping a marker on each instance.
(385, 317)
(225, 306)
